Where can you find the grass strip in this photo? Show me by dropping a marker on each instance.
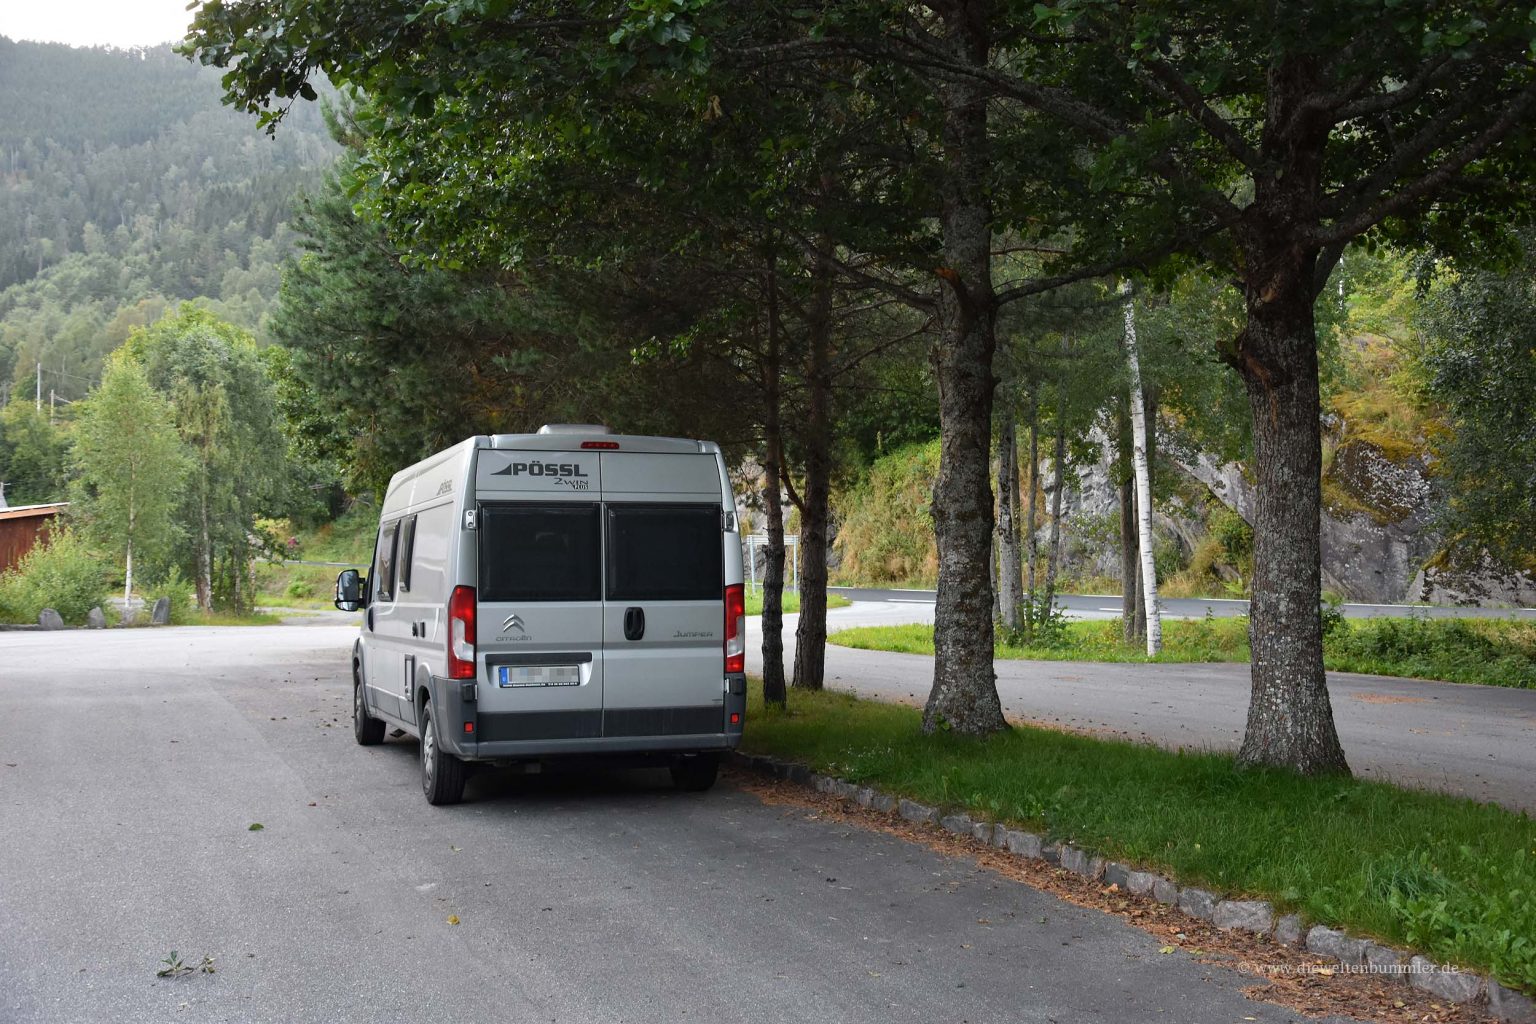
(1492, 652)
(791, 601)
(1453, 878)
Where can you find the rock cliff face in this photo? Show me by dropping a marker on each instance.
(1365, 557)
(1376, 531)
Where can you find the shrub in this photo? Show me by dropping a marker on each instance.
(1492, 651)
(62, 574)
(885, 526)
(180, 590)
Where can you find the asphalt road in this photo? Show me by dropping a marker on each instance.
(132, 764)
(1474, 741)
(1103, 606)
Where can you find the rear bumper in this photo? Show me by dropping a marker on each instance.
(599, 732)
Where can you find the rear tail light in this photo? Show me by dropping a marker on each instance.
(461, 633)
(735, 628)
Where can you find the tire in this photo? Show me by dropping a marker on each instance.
(368, 730)
(442, 774)
(697, 773)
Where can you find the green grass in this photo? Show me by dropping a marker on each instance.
(1493, 652)
(791, 601)
(348, 539)
(1453, 878)
(255, 618)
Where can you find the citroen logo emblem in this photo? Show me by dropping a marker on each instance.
(513, 621)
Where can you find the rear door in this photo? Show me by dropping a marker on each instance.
(539, 621)
(664, 614)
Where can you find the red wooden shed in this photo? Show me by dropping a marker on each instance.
(22, 527)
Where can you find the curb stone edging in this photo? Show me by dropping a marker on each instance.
(1253, 916)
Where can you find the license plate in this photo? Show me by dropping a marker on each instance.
(539, 675)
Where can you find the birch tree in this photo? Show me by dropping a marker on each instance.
(1143, 476)
(131, 467)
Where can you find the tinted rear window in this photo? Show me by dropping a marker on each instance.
(664, 553)
(539, 553)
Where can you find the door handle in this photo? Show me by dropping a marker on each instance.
(634, 623)
(413, 629)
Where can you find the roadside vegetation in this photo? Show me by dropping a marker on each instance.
(791, 601)
(1447, 876)
(347, 540)
(66, 574)
(1492, 652)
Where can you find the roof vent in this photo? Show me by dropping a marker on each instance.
(574, 428)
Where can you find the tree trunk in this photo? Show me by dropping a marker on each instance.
(811, 631)
(204, 552)
(1008, 522)
(994, 566)
(1143, 479)
(1032, 519)
(1053, 546)
(1290, 718)
(1129, 559)
(128, 582)
(964, 696)
(773, 504)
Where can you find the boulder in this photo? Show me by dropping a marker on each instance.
(1197, 903)
(1244, 916)
(922, 814)
(50, 619)
(1510, 1005)
(1118, 875)
(1288, 930)
(161, 614)
(1448, 983)
(1081, 862)
(959, 824)
(96, 619)
(1025, 844)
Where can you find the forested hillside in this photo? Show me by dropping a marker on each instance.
(125, 186)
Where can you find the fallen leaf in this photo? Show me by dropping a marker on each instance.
(1168, 949)
(255, 826)
(1326, 972)
(453, 918)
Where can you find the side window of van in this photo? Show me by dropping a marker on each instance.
(384, 572)
(540, 553)
(407, 551)
(665, 553)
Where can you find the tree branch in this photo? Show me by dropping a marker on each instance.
(1445, 172)
(1218, 127)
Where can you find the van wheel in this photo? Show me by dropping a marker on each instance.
(442, 774)
(368, 730)
(697, 773)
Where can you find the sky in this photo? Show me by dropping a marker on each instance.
(95, 22)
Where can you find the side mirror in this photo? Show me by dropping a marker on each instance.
(350, 590)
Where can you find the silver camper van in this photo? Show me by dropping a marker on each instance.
(570, 593)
